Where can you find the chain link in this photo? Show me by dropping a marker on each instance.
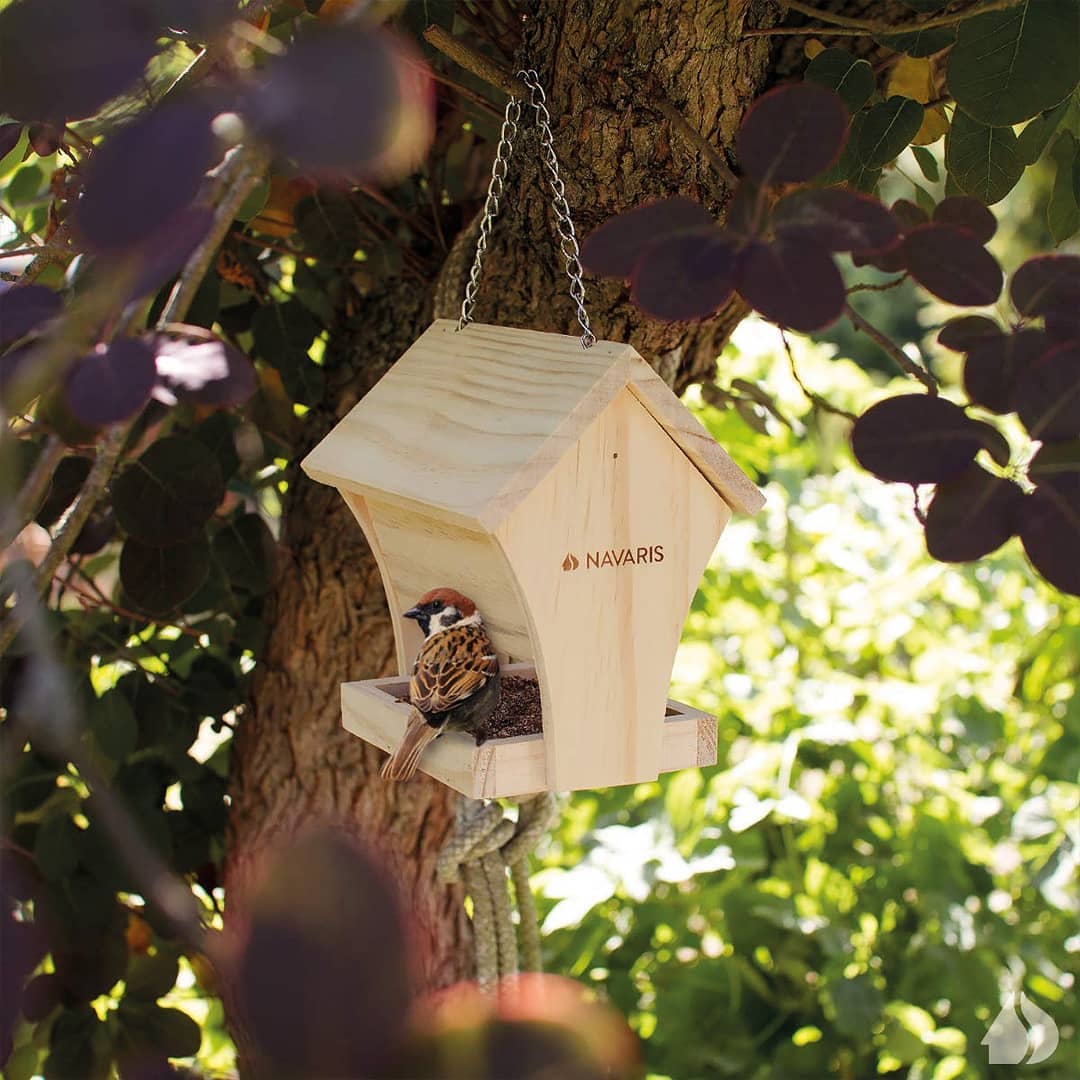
(568, 243)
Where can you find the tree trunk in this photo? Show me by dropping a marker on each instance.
(606, 64)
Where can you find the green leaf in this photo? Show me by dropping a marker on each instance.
(255, 201)
(889, 127)
(25, 186)
(148, 1028)
(1062, 211)
(159, 579)
(982, 161)
(55, 846)
(858, 1004)
(850, 77)
(283, 334)
(919, 43)
(166, 495)
(927, 163)
(113, 724)
(1010, 65)
(245, 549)
(1034, 139)
(329, 226)
(151, 977)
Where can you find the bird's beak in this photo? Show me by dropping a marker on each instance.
(412, 613)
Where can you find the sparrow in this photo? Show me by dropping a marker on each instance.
(455, 680)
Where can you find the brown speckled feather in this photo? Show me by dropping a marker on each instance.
(451, 667)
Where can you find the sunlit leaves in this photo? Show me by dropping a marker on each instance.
(144, 174)
(952, 264)
(851, 78)
(1010, 65)
(61, 61)
(971, 516)
(112, 383)
(984, 161)
(198, 367)
(915, 439)
(166, 494)
(613, 249)
(792, 133)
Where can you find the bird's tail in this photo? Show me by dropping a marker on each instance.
(403, 761)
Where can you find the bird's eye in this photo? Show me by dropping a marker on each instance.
(437, 605)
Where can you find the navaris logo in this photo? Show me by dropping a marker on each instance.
(596, 560)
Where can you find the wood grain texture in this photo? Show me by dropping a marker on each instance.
(468, 423)
(605, 635)
(503, 768)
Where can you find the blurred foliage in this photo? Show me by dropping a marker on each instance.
(888, 843)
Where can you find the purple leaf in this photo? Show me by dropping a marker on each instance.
(1048, 394)
(25, 308)
(9, 138)
(971, 516)
(111, 384)
(161, 253)
(909, 215)
(686, 276)
(303, 951)
(144, 174)
(1046, 282)
(298, 105)
(201, 369)
(965, 331)
(836, 219)
(953, 265)
(792, 285)
(1050, 531)
(1057, 465)
(994, 364)
(747, 213)
(44, 139)
(966, 213)
(792, 133)
(61, 60)
(614, 248)
(915, 439)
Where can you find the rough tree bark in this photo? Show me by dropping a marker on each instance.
(606, 64)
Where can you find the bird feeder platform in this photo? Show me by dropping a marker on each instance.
(576, 501)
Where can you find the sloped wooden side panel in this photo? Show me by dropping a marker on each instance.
(418, 551)
(607, 551)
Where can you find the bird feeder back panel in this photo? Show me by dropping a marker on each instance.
(572, 496)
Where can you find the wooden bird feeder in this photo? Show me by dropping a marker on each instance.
(570, 494)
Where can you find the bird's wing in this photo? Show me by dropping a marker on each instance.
(451, 667)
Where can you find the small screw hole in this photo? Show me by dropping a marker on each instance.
(614, 455)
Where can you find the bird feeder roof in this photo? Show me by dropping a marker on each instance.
(470, 422)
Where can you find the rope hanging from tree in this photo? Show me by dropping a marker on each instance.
(485, 845)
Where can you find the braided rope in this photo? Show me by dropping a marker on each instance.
(485, 844)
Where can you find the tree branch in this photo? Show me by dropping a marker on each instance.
(475, 62)
(670, 112)
(22, 510)
(814, 398)
(843, 26)
(905, 363)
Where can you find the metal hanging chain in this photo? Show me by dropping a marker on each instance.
(568, 243)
